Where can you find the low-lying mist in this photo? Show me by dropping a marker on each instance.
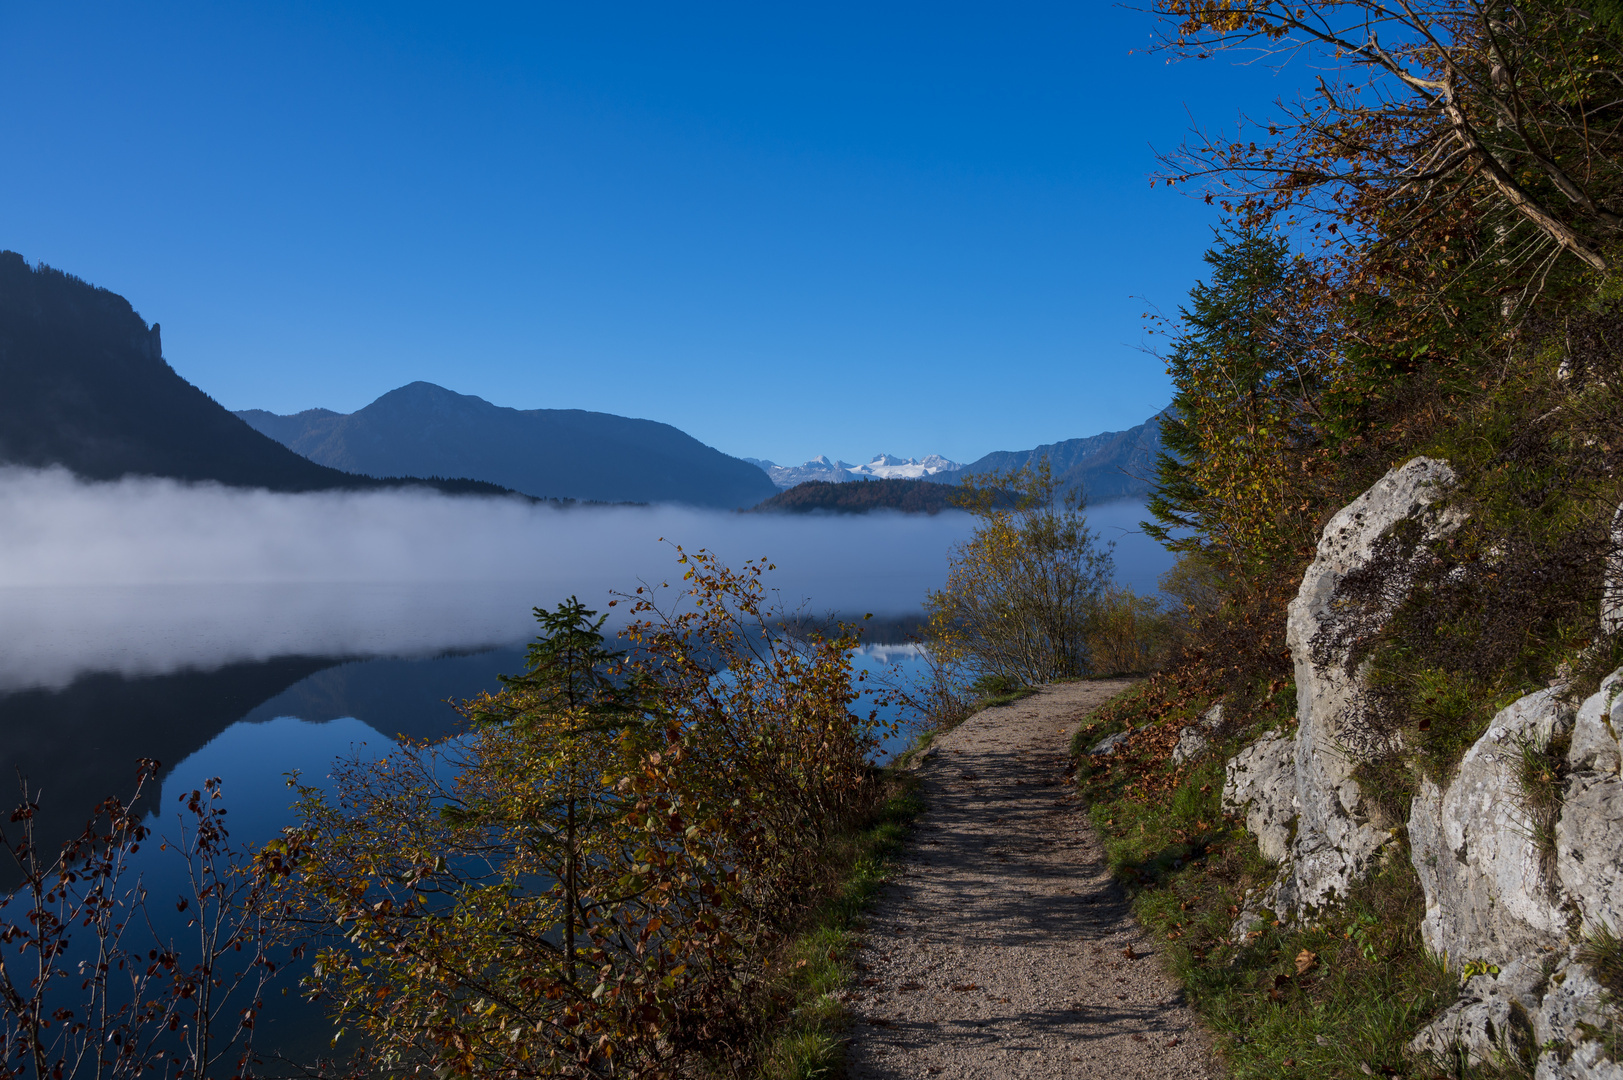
(148, 576)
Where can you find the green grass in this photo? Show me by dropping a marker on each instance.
(1337, 998)
(806, 1036)
(991, 691)
(1006, 697)
(1540, 770)
(1602, 950)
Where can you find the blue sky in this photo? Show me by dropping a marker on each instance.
(786, 229)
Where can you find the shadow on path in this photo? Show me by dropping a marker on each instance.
(999, 948)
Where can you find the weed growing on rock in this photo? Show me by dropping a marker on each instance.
(1602, 950)
(1540, 770)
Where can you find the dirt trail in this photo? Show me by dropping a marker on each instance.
(998, 951)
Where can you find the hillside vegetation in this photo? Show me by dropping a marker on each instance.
(1393, 475)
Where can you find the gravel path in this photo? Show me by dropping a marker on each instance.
(1003, 949)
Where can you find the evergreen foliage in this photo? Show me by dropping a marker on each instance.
(1249, 368)
(862, 497)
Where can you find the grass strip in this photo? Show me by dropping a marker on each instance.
(806, 1034)
(807, 1037)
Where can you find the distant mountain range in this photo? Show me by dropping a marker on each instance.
(882, 467)
(83, 384)
(1111, 465)
(422, 430)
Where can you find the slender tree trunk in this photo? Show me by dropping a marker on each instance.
(570, 900)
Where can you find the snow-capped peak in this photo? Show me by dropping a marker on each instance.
(889, 467)
(883, 466)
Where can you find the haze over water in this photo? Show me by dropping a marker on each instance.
(248, 634)
(152, 577)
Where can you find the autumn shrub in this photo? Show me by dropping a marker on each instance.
(1128, 633)
(590, 881)
(1022, 591)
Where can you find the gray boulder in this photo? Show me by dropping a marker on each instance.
(1575, 1007)
(1589, 832)
(1339, 836)
(1194, 741)
(1551, 1006)
(1490, 894)
(1108, 744)
(1586, 1062)
(1575, 1000)
(1594, 733)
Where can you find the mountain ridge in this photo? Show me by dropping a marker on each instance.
(423, 428)
(882, 467)
(1107, 466)
(83, 384)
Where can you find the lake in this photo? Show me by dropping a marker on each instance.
(248, 636)
(304, 643)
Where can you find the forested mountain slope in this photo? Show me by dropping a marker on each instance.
(861, 497)
(1110, 465)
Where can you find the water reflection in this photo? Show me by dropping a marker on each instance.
(249, 682)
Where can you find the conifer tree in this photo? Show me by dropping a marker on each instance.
(1248, 366)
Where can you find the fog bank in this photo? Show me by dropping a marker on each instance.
(147, 576)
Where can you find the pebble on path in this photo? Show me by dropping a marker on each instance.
(1001, 948)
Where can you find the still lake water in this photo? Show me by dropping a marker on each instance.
(251, 679)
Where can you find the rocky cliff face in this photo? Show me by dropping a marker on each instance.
(1513, 885)
(1303, 788)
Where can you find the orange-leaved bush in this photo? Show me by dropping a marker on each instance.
(586, 883)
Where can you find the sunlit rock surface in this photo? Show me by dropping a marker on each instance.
(1261, 784)
(1490, 892)
(1337, 836)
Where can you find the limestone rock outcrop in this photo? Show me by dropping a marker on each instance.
(1494, 894)
(1195, 740)
(1497, 890)
(1545, 1012)
(1490, 890)
(1589, 832)
(1336, 836)
(1494, 1016)
(1261, 784)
